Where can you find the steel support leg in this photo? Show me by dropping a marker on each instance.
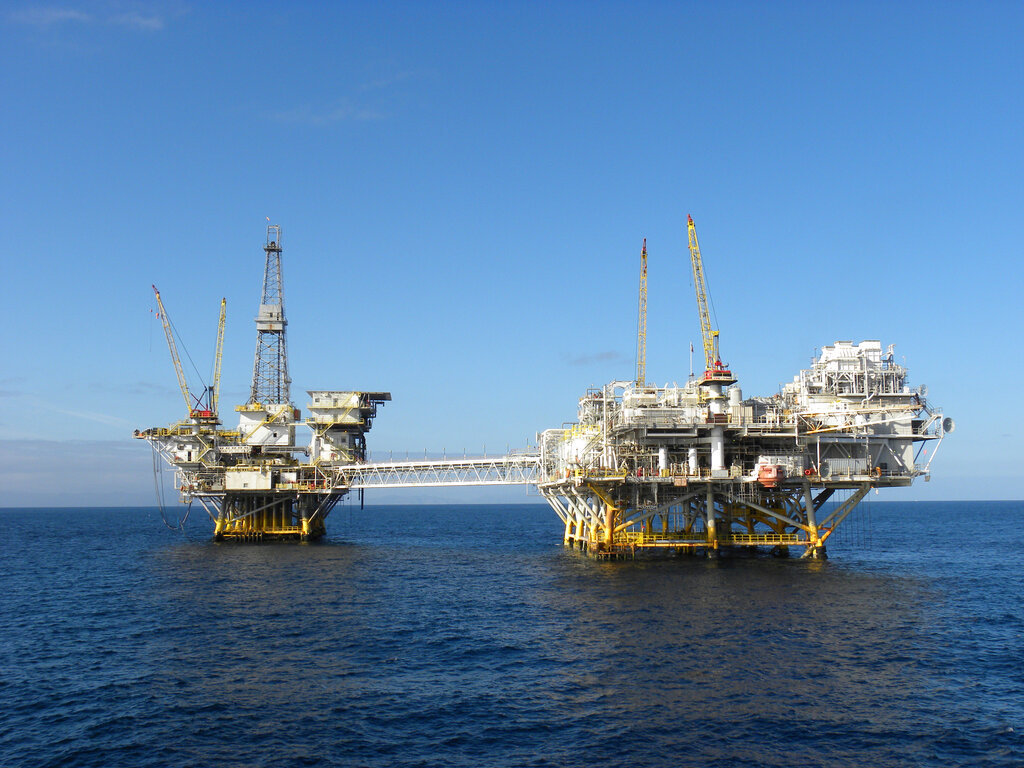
(709, 522)
(815, 547)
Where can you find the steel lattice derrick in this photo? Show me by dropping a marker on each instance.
(270, 381)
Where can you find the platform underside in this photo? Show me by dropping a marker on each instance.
(622, 517)
(263, 516)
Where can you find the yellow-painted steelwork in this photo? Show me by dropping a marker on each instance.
(713, 366)
(218, 355)
(203, 408)
(698, 468)
(178, 370)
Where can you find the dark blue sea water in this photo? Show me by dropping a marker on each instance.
(466, 636)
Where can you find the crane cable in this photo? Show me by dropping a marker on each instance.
(158, 484)
(184, 348)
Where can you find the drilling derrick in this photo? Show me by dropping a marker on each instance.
(270, 382)
(257, 482)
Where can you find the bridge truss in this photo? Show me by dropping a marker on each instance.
(514, 469)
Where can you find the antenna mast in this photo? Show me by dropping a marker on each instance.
(641, 334)
(270, 382)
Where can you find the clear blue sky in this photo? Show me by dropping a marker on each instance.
(464, 188)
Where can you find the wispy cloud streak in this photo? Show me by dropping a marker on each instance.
(146, 22)
(342, 113)
(597, 357)
(47, 17)
(51, 17)
(100, 418)
(387, 81)
(345, 109)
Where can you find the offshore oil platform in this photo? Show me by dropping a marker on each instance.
(683, 469)
(255, 481)
(698, 468)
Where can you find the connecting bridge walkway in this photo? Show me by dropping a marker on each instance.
(513, 469)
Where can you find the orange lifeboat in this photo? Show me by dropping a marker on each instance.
(769, 475)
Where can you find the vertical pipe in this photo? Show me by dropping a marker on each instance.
(709, 519)
(717, 448)
(716, 407)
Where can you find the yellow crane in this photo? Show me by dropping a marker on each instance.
(714, 368)
(195, 410)
(174, 351)
(218, 353)
(641, 335)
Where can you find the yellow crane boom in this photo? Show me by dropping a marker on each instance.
(174, 352)
(714, 369)
(641, 335)
(218, 353)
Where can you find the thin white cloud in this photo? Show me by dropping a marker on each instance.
(345, 109)
(388, 80)
(597, 357)
(46, 17)
(149, 388)
(147, 22)
(100, 418)
(342, 113)
(138, 19)
(5, 383)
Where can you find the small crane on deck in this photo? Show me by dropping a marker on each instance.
(217, 355)
(715, 370)
(204, 407)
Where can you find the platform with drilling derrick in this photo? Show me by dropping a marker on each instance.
(256, 481)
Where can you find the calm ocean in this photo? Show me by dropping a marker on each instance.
(466, 636)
